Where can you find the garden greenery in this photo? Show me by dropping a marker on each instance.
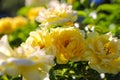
(61, 40)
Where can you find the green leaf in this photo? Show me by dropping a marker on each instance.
(21, 34)
(82, 13)
(108, 8)
(23, 11)
(4, 77)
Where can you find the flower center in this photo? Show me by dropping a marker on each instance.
(108, 48)
(66, 43)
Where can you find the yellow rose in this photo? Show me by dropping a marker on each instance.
(103, 53)
(33, 13)
(64, 43)
(42, 39)
(59, 15)
(69, 44)
(6, 25)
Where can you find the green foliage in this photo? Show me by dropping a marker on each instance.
(116, 1)
(80, 4)
(23, 11)
(110, 8)
(108, 20)
(73, 71)
(21, 34)
(81, 13)
(7, 77)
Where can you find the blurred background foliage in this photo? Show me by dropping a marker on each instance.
(101, 15)
(9, 8)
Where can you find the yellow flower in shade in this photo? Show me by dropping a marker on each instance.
(71, 1)
(69, 44)
(18, 22)
(6, 25)
(103, 53)
(33, 13)
(36, 2)
(31, 62)
(58, 15)
(9, 24)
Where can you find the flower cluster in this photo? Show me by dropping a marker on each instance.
(8, 24)
(64, 43)
(57, 41)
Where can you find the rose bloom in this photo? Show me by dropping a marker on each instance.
(31, 62)
(103, 53)
(69, 43)
(33, 12)
(59, 15)
(42, 39)
(6, 25)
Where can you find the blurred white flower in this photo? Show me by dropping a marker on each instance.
(31, 62)
(53, 3)
(112, 28)
(102, 75)
(89, 28)
(93, 15)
